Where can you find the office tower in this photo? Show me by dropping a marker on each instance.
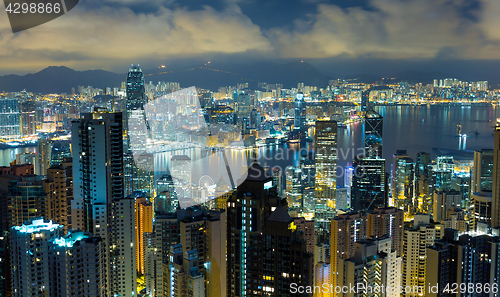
(368, 189)
(60, 151)
(248, 208)
(285, 260)
(308, 175)
(387, 222)
(166, 200)
(373, 265)
(495, 204)
(443, 202)
(278, 180)
(403, 174)
(136, 177)
(299, 123)
(326, 169)
(180, 169)
(373, 134)
(481, 208)
(45, 152)
(29, 158)
(255, 120)
(135, 88)
(9, 118)
(482, 177)
(143, 224)
(342, 200)
(470, 258)
(293, 192)
(416, 238)
(242, 105)
(346, 229)
(423, 183)
(99, 206)
(348, 174)
(365, 100)
(45, 264)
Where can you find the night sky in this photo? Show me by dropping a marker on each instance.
(343, 36)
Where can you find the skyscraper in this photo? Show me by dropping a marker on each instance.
(495, 204)
(326, 172)
(46, 264)
(135, 88)
(374, 124)
(403, 178)
(416, 238)
(389, 222)
(368, 189)
(299, 123)
(99, 206)
(347, 229)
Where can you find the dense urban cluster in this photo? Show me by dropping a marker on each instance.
(99, 208)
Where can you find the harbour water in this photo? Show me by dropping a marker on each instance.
(411, 128)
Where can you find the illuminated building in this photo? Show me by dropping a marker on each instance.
(346, 229)
(308, 174)
(293, 191)
(481, 209)
(143, 224)
(285, 258)
(57, 187)
(29, 158)
(374, 128)
(443, 202)
(166, 200)
(45, 264)
(374, 264)
(26, 199)
(423, 182)
(387, 222)
(248, 207)
(183, 277)
(483, 171)
(403, 175)
(99, 206)
(326, 167)
(463, 258)
(45, 152)
(369, 184)
(416, 238)
(495, 203)
(299, 124)
(9, 118)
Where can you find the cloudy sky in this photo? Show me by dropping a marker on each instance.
(112, 34)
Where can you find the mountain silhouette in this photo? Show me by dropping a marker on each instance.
(61, 79)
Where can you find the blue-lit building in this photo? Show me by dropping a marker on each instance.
(45, 263)
(9, 118)
(135, 88)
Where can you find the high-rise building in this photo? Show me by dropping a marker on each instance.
(374, 265)
(299, 123)
(387, 222)
(481, 209)
(99, 206)
(135, 88)
(56, 188)
(374, 128)
(143, 224)
(46, 264)
(9, 118)
(416, 239)
(482, 177)
(495, 203)
(444, 201)
(369, 184)
(470, 258)
(26, 199)
(423, 182)
(248, 208)
(365, 100)
(308, 175)
(326, 172)
(293, 191)
(403, 179)
(346, 229)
